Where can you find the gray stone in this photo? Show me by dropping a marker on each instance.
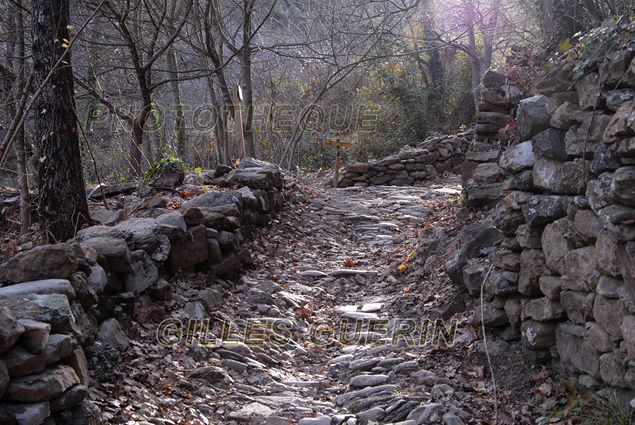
(621, 123)
(139, 233)
(532, 116)
(599, 192)
(256, 178)
(372, 414)
(550, 286)
(627, 328)
(588, 88)
(46, 286)
(431, 241)
(599, 338)
(114, 251)
(543, 209)
(42, 386)
(529, 237)
(623, 185)
(491, 315)
(578, 305)
(518, 158)
(10, 329)
(558, 79)
(35, 336)
(195, 310)
(144, 275)
(521, 181)
(27, 413)
(555, 246)
(319, 420)
(346, 398)
(51, 308)
(211, 200)
(42, 262)
(87, 413)
(609, 314)
(542, 309)
(77, 360)
(450, 419)
(20, 362)
(97, 279)
(581, 267)
(565, 116)
(171, 224)
(361, 381)
(502, 283)
(69, 399)
(188, 249)
(532, 266)
(424, 413)
(550, 144)
(488, 172)
(587, 224)
(251, 412)
(613, 368)
(564, 178)
(538, 335)
(110, 331)
(516, 199)
(586, 137)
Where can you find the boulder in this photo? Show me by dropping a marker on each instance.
(538, 335)
(26, 413)
(543, 209)
(609, 313)
(623, 185)
(20, 362)
(542, 310)
(50, 308)
(532, 116)
(518, 158)
(211, 200)
(564, 178)
(171, 224)
(144, 275)
(555, 246)
(113, 254)
(488, 172)
(532, 266)
(529, 237)
(627, 328)
(598, 338)
(110, 331)
(550, 144)
(431, 241)
(168, 179)
(140, 233)
(587, 224)
(188, 249)
(578, 305)
(36, 335)
(69, 399)
(559, 79)
(46, 286)
(258, 178)
(42, 262)
(42, 386)
(588, 88)
(587, 137)
(581, 267)
(621, 124)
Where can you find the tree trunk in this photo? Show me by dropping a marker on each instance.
(63, 209)
(179, 126)
(250, 148)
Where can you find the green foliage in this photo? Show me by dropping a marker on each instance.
(156, 169)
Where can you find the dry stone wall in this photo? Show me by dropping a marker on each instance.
(564, 260)
(63, 307)
(425, 161)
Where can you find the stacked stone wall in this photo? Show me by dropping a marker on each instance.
(564, 265)
(63, 307)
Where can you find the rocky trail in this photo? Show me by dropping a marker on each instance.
(332, 260)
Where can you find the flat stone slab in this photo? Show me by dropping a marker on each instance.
(42, 386)
(46, 286)
(351, 272)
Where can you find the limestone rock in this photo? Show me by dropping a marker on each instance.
(518, 158)
(189, 249)
(532, 116)
(42, 386)
(110, 331)
(581, 267)
(10, 329)
(543, 209)
(114, 253)
(538, 335)
(144, 275)
(564, 178)
(578, 305)
(52, 308)
(46, 286)
(42, 262)
(550, 144)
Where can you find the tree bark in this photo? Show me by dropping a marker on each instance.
(23, 182)
(250, 148)
(63, 209)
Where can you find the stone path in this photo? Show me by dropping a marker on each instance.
(346, 259)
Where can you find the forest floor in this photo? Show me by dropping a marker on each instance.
(341, 254)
